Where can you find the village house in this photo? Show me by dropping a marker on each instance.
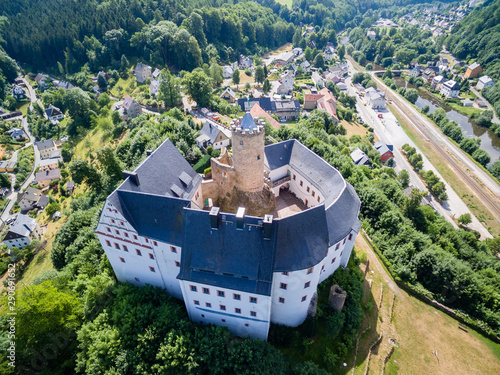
(317, 80)
(29, 198)
(473, 71)
(42, 80)
(153, 87)
(284, 58)
(323, 100)
(417, 71)
(437, 82)
(63, 85)
(385, 151)
(130, 108)
(142, 72)
(45, 148)
(359, 157)
(265, 103)
(450, 89)
(288, 109)
(22, 232)
(483, 82)
(18, 92)
(245, 62)
(258, 112)
(297, 51)
(227, 72)
(429, 73)
(16, 134)
(329, 54)
(70, 187)
(371, 34)
(305, 65)
(54, 114)
(229, 95)
(7, 166)
(214, 135)
(50, 163)
(156, 73)
(375, 98)
(286, 85)
(44, 178)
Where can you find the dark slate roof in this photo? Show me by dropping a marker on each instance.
(153, 216)
(342, 215)
(302, 240)
(43, 201)
(50, 174)
(160, 173)
(212, 131)
(248, 122)
(278, 154)
(227, 257)
(265, 103)
(42, 145)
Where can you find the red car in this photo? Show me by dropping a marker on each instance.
(380, 115)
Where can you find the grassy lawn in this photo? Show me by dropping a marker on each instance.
(288, 3)
(125, 85)
(353, 128)
(467, 111)
(23, 107)
(244, 78)
(463, 191)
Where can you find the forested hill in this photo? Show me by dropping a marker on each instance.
(43, 32)
(477, 36)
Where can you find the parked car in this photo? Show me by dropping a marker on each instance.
(380, 115)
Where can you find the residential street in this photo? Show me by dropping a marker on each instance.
(388, 130)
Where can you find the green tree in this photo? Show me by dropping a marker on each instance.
(199, 87)
(216, 72)
(481, 156)
(81, 171)
(77, 103)
(267, 87)
(319, 61)
(169, 90)
(469, 145)
(259, 74)
(495, 170)
(465, 219)
(411, 95)
(341, 52)
(236, 77)
(4, 180)
(52, 208)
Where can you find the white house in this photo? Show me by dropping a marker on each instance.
(305, 65)
(18, 92)
(22, 232)
(437, 82)
(286, 85)
(45, 148)
(232, 269)
(16, 134)
(375, 98)
(54, 114)
(371, 34)
(318, 80)
(153, 87)
(142, 72)
(246, 62)
(227, 71)
(483, 82)
(450, 89)
(214, 135)
(329, 54)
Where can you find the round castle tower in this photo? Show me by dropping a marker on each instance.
(248, 155)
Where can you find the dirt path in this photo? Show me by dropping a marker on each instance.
(426, 341)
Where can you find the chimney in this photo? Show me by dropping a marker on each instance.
(214, 217)
(133, 177)
(240, 217)
(268, 222)
(149, 152)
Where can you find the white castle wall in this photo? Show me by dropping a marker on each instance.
(252, 320)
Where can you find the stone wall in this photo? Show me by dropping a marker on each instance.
(248, 159)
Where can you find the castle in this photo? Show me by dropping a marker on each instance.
(231, 268)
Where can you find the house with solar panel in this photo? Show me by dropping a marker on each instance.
(242, 249)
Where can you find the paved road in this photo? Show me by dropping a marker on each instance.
(390, 132)
(13, 195)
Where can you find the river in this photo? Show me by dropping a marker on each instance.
(490, 142)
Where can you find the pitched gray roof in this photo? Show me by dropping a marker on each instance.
(212, 131)
(159, 174)
(278, 154)
(227, 257)
(22, 227)
(48, 175)
(42, 145)
(342, 215)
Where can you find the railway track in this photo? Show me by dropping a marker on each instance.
(491, 204)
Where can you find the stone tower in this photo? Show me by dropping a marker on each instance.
(248, 155)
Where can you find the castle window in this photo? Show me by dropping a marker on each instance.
(294, 177)
(115, 211)
(237, 297)
(253, 299)
(322, 268)
(220, 293)
(303, 299)
(151, 256)
(137, 279)
(173, 249)
(121, 223)
(122, 260)
(108, 243)
(117, 246)
(337, 247)
(318, 198)
(313, 193)
(109, 209)
(284, 273)
(202, 315)
(155, 243)
(350, 237)
(177, 264)
(109, 230)
(281, 300)
(333, 260)
(310, 270)
(344, 240)
(126, 234)
(206, 291)
(308, 189)
(193, 288)
(125, 248)
(117, 232)
(152, 269)
(341, 253)
(135, 237)
(138, 252)
(112, 221)
(237, 311)
(253, 313)
(147, 241)
(307, 285)
(283, 286)
(196, 302)
(208, 304)
(301, 183)
(241, 143)
(222, 307)
(223, 320)
(258, 157)
(246, 325)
